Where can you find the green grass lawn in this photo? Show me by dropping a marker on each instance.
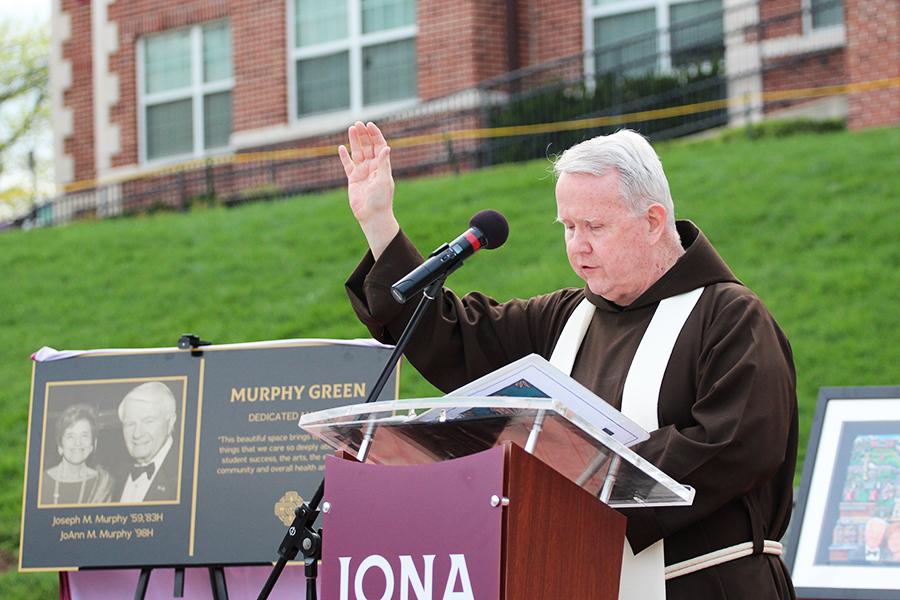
(810, 222)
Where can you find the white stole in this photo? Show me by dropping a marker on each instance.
(643, 575)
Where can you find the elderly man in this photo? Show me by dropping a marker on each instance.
(872, 549)
(148, 417)
(662, 330)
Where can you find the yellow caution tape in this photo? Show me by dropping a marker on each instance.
(510, 131)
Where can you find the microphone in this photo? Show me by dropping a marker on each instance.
(487, 229)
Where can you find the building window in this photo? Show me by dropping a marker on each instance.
(352, 54)
(696, 32)
(185, 80)
(639, 36)
(630, 41)
(826, 13)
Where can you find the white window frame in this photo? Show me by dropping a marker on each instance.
(807, 12)
(622, 7)
(195, 92)
(355, 42)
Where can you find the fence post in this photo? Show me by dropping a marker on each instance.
(210, 182)
(451, 155)
(182, 192)
(486, 146)
(748, 124)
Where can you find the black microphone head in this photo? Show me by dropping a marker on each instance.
(494, 227)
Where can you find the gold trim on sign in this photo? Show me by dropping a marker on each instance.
(27, 453)
(196, 458)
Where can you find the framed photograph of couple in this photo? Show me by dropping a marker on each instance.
(847, 541)
(114, 441)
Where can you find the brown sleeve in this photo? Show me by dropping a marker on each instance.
(741, 422)
(458, 339)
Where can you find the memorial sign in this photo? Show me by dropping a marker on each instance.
(179, 457)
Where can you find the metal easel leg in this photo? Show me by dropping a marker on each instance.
(143, 580)
(217, 583)
(178, 592)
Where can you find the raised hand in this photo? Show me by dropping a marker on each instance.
(370, 185)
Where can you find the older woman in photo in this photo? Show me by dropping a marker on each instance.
(72, 480)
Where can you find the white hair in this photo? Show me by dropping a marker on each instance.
(153, 392)
(642, 181)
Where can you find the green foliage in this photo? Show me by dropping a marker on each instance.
(606, 95)
(24, 106)
(777, 128)
(24, 75)
(809, 222)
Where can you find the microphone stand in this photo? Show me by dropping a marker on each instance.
(301, 537)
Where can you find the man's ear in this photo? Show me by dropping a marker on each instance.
(657, 220)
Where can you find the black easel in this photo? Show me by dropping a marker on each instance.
(300, 536)
(216, 583)
(187, 341)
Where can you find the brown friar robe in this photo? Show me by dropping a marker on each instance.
(727, 404)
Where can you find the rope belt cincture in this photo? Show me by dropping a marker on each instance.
(718, 557)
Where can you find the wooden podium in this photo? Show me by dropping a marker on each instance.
(558, 541)
(450, 506)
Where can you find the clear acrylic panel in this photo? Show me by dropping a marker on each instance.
(167, 61)
(423, 431)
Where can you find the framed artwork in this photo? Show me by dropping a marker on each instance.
(848, 541)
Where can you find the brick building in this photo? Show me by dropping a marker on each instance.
(138, 85)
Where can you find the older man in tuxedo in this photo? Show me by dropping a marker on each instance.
(148, 418)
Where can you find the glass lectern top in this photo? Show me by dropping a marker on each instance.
(406, 432)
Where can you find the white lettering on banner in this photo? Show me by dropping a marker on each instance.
(345, 575)
(374, 561)
(458, 577)
(408, 571)
(458, 570)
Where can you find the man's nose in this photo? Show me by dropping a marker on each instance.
(578, 242)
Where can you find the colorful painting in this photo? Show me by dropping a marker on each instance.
(866, 513)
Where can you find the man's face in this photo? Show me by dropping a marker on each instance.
(145, 428)
(607, 245)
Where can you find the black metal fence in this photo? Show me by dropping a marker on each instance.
(664, 84)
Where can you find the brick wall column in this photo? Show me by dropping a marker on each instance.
(554, 29)
(61, 115)
(259, 42)
(873, 53)
(78, 97)
(459, 44)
